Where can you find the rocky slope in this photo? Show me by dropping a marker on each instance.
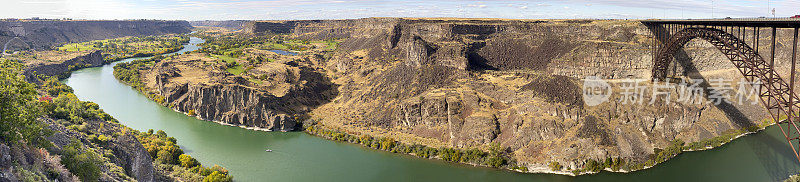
(59, 68)
(127, 158)
(466, 83)
(200, 86)
(227, 24)
(119, 154)
(42, 34)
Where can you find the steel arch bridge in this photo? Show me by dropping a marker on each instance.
(730, 36)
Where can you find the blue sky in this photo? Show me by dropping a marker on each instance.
(344, 9)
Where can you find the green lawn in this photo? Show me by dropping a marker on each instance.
(329, 44)
(76, 47)
(226, 59)
(236, 70)
(125, 45)
(276, 46)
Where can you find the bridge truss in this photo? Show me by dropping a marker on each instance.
(739, 40)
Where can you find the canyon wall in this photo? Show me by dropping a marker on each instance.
(43, 34)
(469, 83)
(228, 24)
(128, 152)
(124, 158)
(287, 92)
(60, 68)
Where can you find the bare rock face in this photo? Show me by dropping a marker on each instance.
(232, 104)
(60, 68)
(43, 34)
(129, 154)
(288, 90)
(518, 83)
(228, 24)
(133, 157)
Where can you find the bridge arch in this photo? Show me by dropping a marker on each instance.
(735, 49)
(775, 93)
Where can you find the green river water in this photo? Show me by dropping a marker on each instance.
(298, 156)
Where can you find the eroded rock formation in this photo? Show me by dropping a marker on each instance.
(42, 34)
(60, 67)
(470, 83)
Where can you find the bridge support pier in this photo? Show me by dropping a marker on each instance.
(730, 37)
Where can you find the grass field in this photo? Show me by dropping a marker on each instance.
(236, 70)
(129, 46)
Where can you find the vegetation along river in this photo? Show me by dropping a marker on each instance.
(297, 156)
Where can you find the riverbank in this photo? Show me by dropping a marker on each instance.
(298, 156)
(100, 137)
(536, 116)
(64, 59)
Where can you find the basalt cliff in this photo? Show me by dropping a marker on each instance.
(119, 155)
(469, 83)
(43, 34)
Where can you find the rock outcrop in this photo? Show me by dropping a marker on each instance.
(128, 152)
(227, 24)
(469, 83)
(232, 104)
(290, 89)
(518, 83)
(61, 67)
(43, 34)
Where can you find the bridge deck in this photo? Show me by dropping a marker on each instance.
(740, 22)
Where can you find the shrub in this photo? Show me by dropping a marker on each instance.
(496, 161)
(593, 166)
(169, 156)
(18, 107)
(675, 148)
(451, 155)
(82, 162)
(496, 158)
(67, 106)
(520, 168)
(216, 176)
(161, 134)
(187, 161)
(474, 155)
(555, 166)
(101, 139)
(616, 164)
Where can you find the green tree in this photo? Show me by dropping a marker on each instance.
(83, 163)
(496, 155)
(555, 166)
(53, 87)
(594, 166)
(168, 154)
(187, 161)
(18, 108)
(161, 134)
(216, 176)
